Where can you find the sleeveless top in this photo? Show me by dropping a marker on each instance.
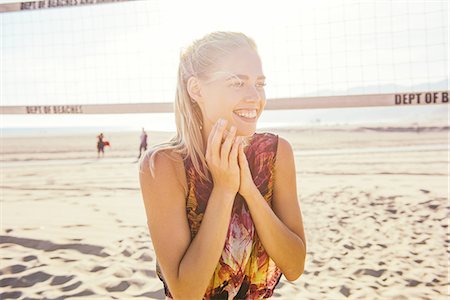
(244, 270)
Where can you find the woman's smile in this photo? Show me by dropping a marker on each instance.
(248, 116)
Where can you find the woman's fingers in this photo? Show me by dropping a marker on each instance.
(210, 137)
(233, 158)
(226, 146)
(211, 134)
(242, 159)
(216, 142)
(223, 145)
(209, 147)
(224, 172)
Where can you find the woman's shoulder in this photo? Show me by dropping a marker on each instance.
(163, 165)
(284, 147)
(160, 159)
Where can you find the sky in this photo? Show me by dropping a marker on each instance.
(128, 53)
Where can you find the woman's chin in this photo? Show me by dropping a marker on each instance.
(246, 132)
(245, 127)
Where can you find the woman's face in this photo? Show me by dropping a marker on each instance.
(235, 92)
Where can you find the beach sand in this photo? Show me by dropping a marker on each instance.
(374, 201)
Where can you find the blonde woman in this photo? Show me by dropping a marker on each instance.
(220, 199)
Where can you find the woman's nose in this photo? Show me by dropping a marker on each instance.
(253, 94)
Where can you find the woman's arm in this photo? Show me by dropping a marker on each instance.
(188, 265)
(281, 229)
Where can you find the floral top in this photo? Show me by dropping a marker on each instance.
(245, 270)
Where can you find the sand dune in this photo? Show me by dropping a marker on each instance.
(374, 202)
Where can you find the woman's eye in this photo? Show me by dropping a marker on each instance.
(240, 84)
(237, 84)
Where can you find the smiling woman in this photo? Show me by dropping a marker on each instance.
(241, 96)
(220, 199)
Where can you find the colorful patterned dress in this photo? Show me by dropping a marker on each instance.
(245, 270)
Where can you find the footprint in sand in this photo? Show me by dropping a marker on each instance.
(50, 246)
(433, 206)
(345, 291)
(84, 293)
(58, 280)
(370, 272)
(122, 286)
(368, 245)
(412, 282)
(126, 252)
(25, 281)
(71, 287)
(29, 258)
(149, 273)
(97, 268)
(14, 269)
(159, 294)
(76, 240)
(11, 295)
(30, 228)
(76, 225)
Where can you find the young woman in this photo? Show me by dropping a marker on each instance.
(221, 200)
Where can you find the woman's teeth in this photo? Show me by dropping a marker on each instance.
(250, 114)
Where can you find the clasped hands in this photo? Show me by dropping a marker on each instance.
(227, 162)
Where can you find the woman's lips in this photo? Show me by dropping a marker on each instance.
(248, 116)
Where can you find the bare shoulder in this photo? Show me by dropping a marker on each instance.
(168, 169)
(165, 158)
(285, 154)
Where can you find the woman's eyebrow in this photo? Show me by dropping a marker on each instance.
(244, 77)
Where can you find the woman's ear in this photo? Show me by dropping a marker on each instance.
(194, 89)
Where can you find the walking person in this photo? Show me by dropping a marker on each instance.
(143, 144)
(100, 146)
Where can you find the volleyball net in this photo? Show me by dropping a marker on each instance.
(73, 56)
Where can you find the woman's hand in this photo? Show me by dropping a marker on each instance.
(222, 158)
(246, 180)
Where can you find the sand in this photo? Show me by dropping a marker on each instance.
(374, 202)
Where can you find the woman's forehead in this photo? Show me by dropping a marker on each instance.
(240, 61)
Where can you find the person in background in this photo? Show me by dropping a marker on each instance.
(221, 199)
(143, 145)
(100, 145)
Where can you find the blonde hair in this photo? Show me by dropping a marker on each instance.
(197, 60)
